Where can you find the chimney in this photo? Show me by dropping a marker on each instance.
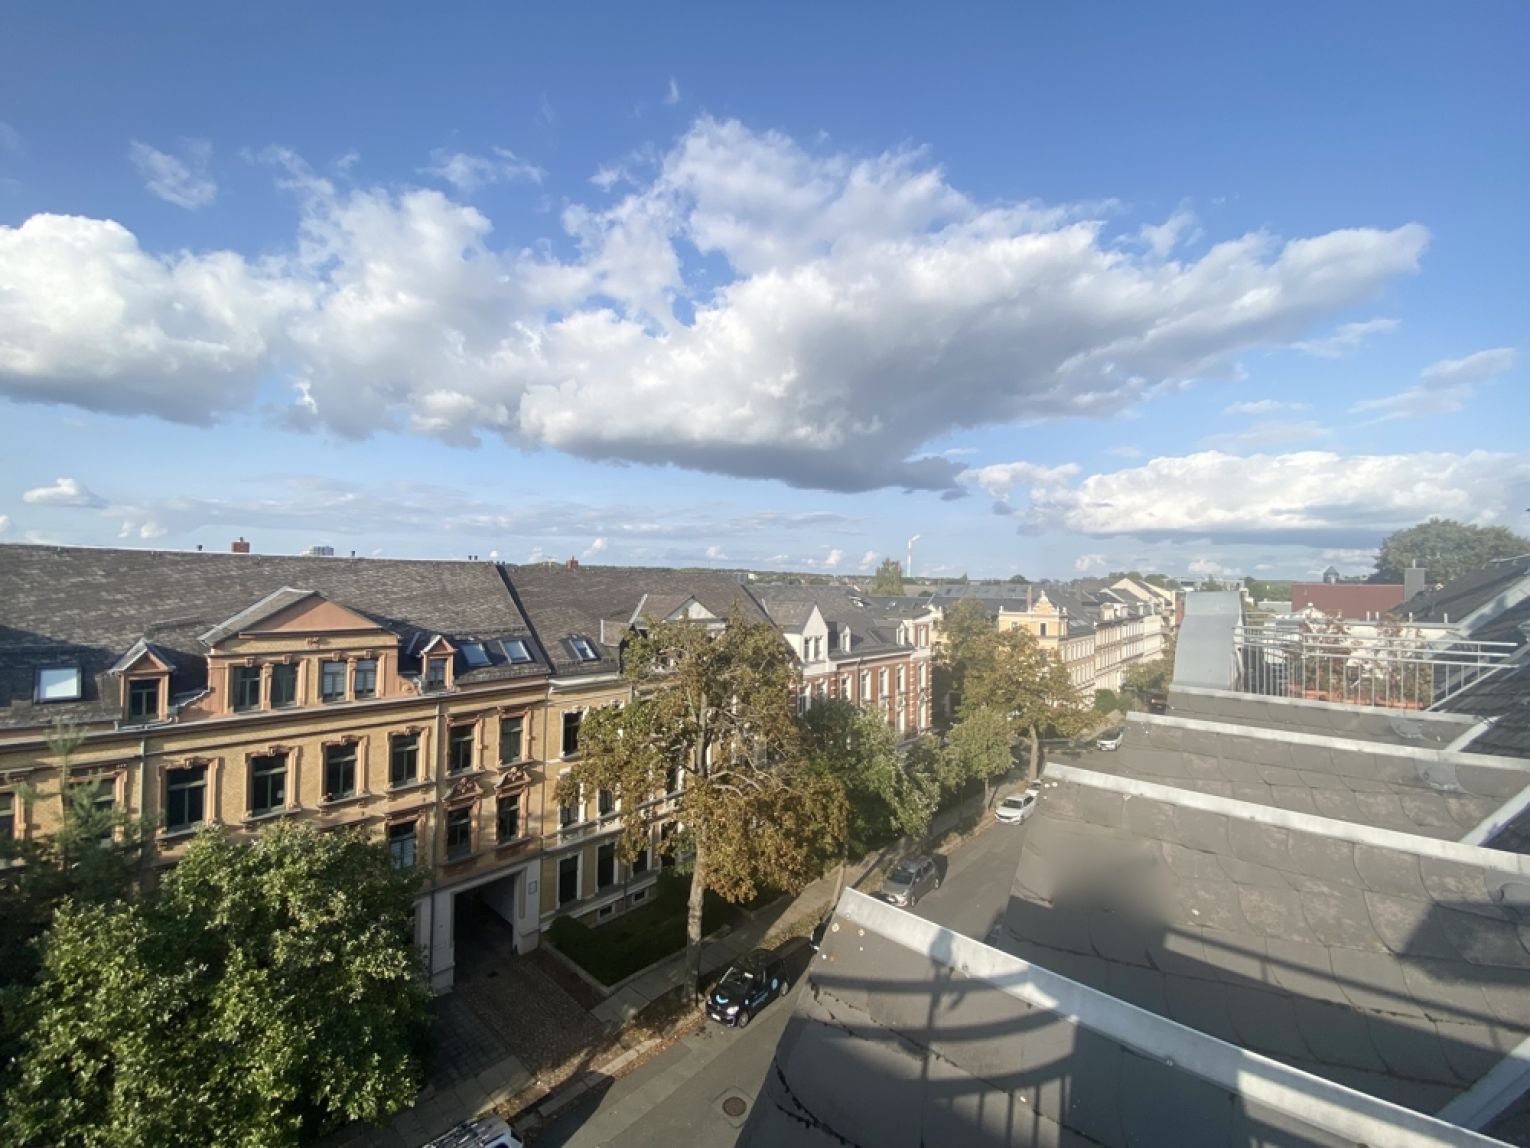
(239, 547)
(572, 564)
(1413, 582)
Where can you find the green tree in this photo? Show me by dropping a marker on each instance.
(888, 579)
(265, 993)
(1143, 678)
(716, 707)
(1012, 675)
(1446, 549)
(977, 748)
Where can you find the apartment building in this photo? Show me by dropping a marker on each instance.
(875, 652)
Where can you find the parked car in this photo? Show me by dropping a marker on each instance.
(1111, 738)
(1016, 807)
(1158, 703)
(481, 1132)
(909, 880)
(751, 983)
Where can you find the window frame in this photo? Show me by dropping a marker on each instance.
(578, 860)
(186, 790)
(364, 669)
(42, 688)
(354, 748)
(10, 808)
(280, 672)
(457, 735)
(394, 841)
(256, 776)
(518, 720)
(605, 852)
(325, 695)
(459, 817)
(157, 682)
(577, 717)
(239, 679)
(394, 744)
(502, 803)
(434, 676)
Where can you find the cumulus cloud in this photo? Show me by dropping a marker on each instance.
(5, 523)
(845, 310)
(1161, 239)
(1443, 387)
(1264, 407)
(64, 492)
(834, 558)
(672, 92)
(869, 559)
(999, 479)
(1211, 568)
(1346, 339)
(594, 548)
(179, 179)
(1085, 563)
(1310, 497)
(715, 553)
(467, 173)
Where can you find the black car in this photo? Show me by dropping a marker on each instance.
(750, 983)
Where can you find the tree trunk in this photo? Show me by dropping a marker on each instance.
(1035, 752)
(693, 918)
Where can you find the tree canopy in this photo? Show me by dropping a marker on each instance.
(888, 578)
(1446, 549)
(977, 748)
(891, 792)
(717, 708)
(1010, 674)
(264, 993)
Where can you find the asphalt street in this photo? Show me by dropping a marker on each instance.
(678, 1097)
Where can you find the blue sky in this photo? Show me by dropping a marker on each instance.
(1060, 289)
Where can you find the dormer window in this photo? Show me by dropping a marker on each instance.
(435, 673)
(283, 685)
(516, 651)
(58, 684)
(332, 682)
(583, 650)
(143, 699)
(244, 687)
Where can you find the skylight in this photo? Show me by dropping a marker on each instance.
(474, 654)
(583, 650)
(58, 684)
(516, 650)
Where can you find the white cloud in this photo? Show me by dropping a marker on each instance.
(467, 173)
(1264, 407)
(1267, 432)
(1124, 451)
(1346, 339)
(1161, 239)
(869, 559)
(608, 176)
(64, 492)
(1084, 563)
(866, 307)
(1313, 497)
(5, 523)
(1443, 388)
(179, 179)
(672, 93)
(594, 548)
(1210, 568)
(715, 553)
(834, 558)
(999, 479)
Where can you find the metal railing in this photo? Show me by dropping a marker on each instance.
(1393, 666)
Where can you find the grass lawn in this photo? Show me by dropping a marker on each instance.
(635, 940)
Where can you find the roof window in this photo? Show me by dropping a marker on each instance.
(516, 651)
(475, 655)
(58, 684)
(583, 650)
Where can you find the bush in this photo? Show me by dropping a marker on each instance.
(1105, 701)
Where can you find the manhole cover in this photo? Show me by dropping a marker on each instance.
(734, 1107)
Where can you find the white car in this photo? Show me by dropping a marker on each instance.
(482, 1132)
(1017, 807)
(1111, 738)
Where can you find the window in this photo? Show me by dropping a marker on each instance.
(403, 759)
(244, 687)
(332, 687)
(339, 771)
(516, 651)
(605, 865)
(1043, 629)
(283, 684)
(459, 748)
(512, 732)
(640, 862)
(844, 687)
(268, 783)
(865, 685)
(571, 720)
(59, 684)
(507, 817)
(435, 673)
(402, 840)
(143, 699)
(922, 669)
(672, 779)
(475, 655)
(459, 833)
(605, 802)
(185, 797)
(583, 650)
(568, 814)
(364, 685)
(882, 681)
(902, 684)
(568, 879)
(7, 816)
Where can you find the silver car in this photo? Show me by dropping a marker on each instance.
(909, 880)
(1111, 738)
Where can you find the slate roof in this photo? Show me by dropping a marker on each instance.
(908, 1035)
(873, 628)
(1456, 600)
(1403, 975)
(89, 606)
(1505, 698)
(562, 604)
(1387, 727)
